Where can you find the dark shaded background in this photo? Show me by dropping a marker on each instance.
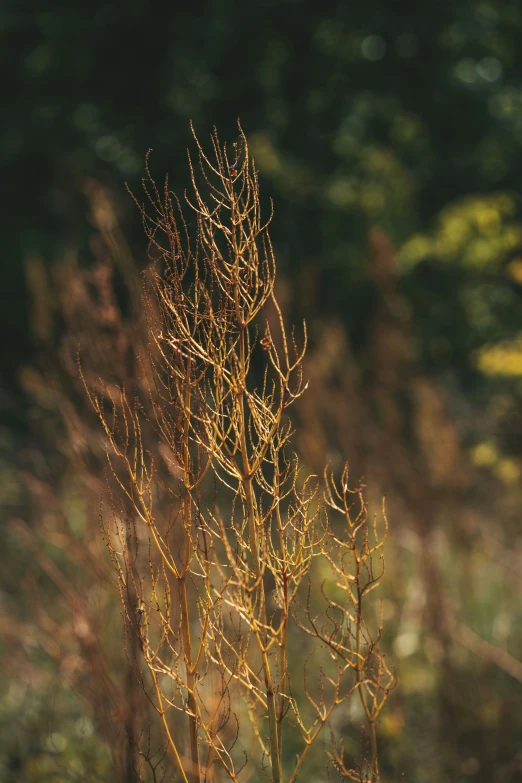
(397, 116)
(378, 113)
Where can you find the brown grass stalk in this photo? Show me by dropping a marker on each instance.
(233, 560)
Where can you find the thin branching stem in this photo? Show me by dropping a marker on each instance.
(228, 549)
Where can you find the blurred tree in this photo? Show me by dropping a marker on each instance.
(375, 113)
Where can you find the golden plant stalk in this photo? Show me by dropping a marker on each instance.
(218, 549)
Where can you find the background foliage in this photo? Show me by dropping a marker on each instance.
(403, 116)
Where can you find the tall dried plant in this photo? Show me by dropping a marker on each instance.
(245, 581)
